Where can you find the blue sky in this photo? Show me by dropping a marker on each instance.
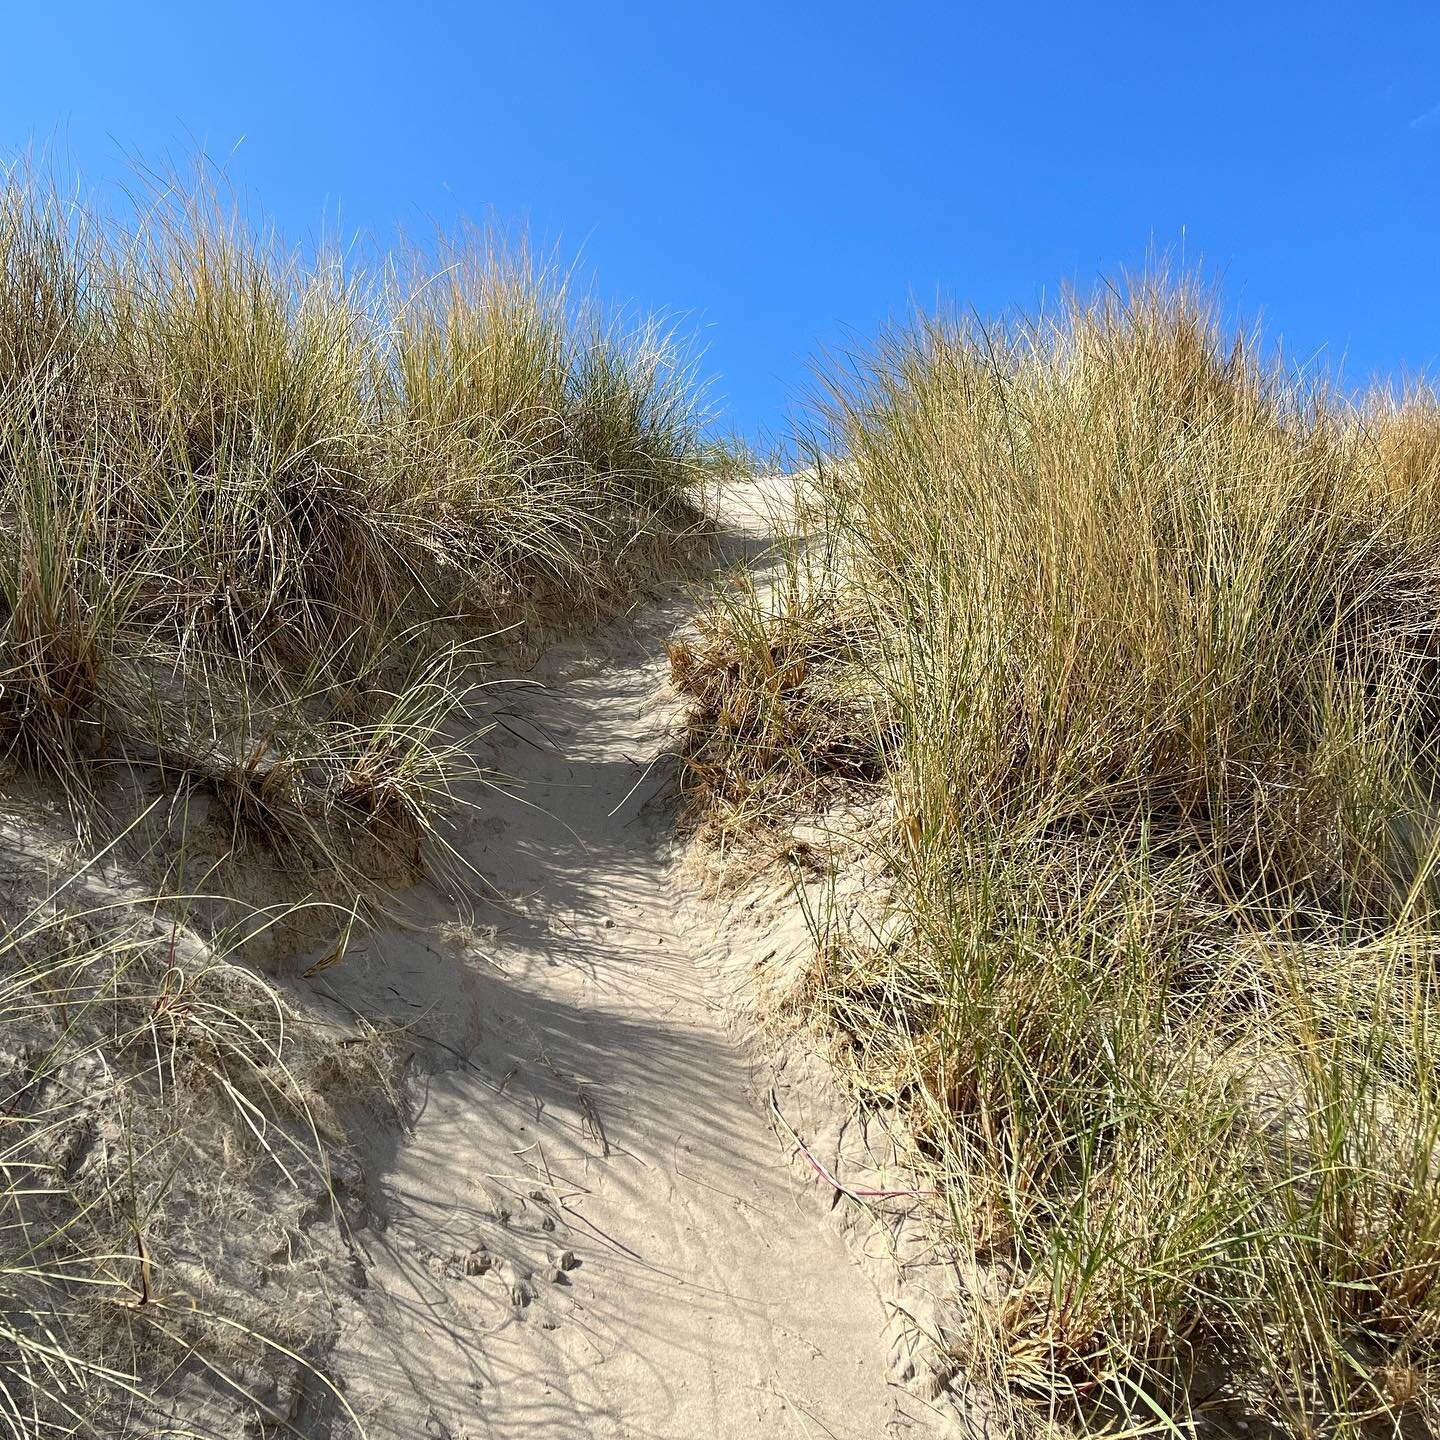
(790, 175)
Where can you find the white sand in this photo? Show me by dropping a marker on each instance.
(584, 1094)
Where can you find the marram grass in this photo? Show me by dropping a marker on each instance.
(226, 465)
(1133, 640)
(260, 516)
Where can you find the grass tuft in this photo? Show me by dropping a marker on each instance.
(264, 517)
(1137, 633)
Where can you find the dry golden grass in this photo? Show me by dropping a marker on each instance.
(260, 518)
(235, 469)
(1135, 638)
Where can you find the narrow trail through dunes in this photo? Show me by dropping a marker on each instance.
(591, 1229)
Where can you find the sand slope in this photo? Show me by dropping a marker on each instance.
(591, 1229)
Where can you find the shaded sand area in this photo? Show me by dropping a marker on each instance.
(591, 1228)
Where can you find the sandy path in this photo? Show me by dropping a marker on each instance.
(586, 1097)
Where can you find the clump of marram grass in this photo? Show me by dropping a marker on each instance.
(773, 723)
(260, 519)
(547, 442)
(1149, 634)
(220, 465)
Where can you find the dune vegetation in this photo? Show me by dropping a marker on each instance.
(263, 514)
(1123, 636)
(1111, 639)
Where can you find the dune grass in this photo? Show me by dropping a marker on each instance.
(262, 514)
(221, 461)
(1130, 639)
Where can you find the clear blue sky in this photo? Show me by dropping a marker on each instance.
(787, 174)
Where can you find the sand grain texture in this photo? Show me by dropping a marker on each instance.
(591, 1228)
